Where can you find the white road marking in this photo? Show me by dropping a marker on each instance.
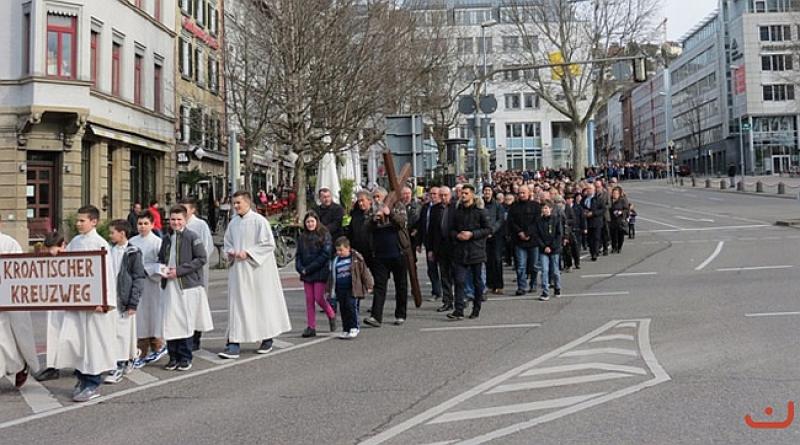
(281, 344)
(612, 337)
(713, 255)
(627, 325)
(686, 218)
(660, 223)
(209, 357)
(585, 294)
(292, 289)
(714, 199)
(771, 238)
(705, 229)
(678, 242)
(748, 238)
(552, 383)
(701, 212)
(584, 366)
(771, 314)
(38, 398)
(697, 241)
(598, 351)
(177, 378)
(652, 242)
(622, 274)
(140, 377)
(659, 376)
(467, 328)
(739, 269)
(512, 409)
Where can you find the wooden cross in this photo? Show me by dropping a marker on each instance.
(397, 187)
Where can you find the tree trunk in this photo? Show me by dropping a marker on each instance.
(579, 150)
(300, 186)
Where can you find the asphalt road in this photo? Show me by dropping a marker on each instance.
(675, 341)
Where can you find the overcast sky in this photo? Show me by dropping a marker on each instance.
(683, 14)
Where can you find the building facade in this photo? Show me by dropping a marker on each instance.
(86, 110)
(201, 149)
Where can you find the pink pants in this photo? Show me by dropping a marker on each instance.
(316, 292)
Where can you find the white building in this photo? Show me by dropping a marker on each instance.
(524, 131)
(86, 109)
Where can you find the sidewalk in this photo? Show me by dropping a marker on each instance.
(770, 185)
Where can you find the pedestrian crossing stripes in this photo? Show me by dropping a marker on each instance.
(38, 398)
(559, 383)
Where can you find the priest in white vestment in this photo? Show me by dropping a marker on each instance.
(256, 304)
(17, 345)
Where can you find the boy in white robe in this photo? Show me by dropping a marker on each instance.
(53, 244)
(149, 315)
(182, 257)
(256, 305)
(129, 277)
(199, 227)
(88, 339)
(17, 345)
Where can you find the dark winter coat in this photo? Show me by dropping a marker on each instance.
(593, 210)
(331, 217)
(470, 219)
(191, 258)
(130, 279)
(619, 212)
(522, 218)
(313, 257)
(358, 232)
(550, 233)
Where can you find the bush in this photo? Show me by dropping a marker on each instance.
(103, 228)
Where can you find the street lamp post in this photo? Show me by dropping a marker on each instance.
(478, 87)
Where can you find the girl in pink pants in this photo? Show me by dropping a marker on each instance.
(314, 249)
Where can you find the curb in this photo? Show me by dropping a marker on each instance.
(736, 192)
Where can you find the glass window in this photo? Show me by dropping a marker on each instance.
(531, 100)
(489, 45)
(137, 79)
(465, 45)
(26, 43)
(158, 89)
(512, 101)
(93, 57)
(116, 54)
(510, 43)
(61, 52)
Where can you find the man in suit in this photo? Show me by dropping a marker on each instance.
(594, 212)
(442, 247)
(423, 229)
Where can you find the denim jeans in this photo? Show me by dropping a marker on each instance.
(461, 278)
(525, 256)
(550, 265)
(180, 350)
(88, 380)
(469, 288)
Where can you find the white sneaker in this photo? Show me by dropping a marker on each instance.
(345, 335)
(128, 368)
(114, 376)
(354, 332)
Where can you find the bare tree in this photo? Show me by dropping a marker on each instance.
(566, 31)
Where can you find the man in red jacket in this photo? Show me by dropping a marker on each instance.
(153, 209)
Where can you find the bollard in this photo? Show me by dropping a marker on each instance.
(740, 186)
(681, 182)
(759, 187)
(723, 185)
(694, 181)
(781, 188)
(708, 183)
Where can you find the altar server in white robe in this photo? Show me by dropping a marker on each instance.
(256, 304)
(53, 244)
(200, 228)
(17, 345)
(149, 316)
(88, 340)
(182, 256)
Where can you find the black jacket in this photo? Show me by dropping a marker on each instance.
(191, 258)
(313, 257)
(574, 223)
(593, 211)
(439, 234)
(494, 213)
(522, 218)
(470, 219)
(619, 212)
(130, 279)
(424, 224)
(550, 233)
(358, 233)
(331, 217)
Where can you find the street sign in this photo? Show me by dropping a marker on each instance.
(745, 126)
(488, 104)
(466, 105)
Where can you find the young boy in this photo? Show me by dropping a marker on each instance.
(88, 339)
(550, 235)
(183, 257)
(631, 223)
(200, 228)
(54, 244)
(128, 269)
(149, 316)
(350, 281)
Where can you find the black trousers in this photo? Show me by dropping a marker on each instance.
(382, 268)
(594, 239)
(617, 237)
(494, 263)
(572, 252)
(461, 278)
(606, 236)
(180, 350)
(347, 307)
(631, 231)
(446, 275)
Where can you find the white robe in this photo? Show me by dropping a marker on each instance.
(202, 312)
(149, 314)
(17, 345)
(256, 304)
(88, 339)
(126, 325)
(182, 308)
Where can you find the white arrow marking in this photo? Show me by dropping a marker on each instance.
(612, 337)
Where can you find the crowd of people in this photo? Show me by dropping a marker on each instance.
(157, 298)
(539, 224)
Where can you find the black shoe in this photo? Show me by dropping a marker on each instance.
(577, 267)
(332, 324)
(47, 374)
(557, 293)
(184, 366)
(309, 332)
(445, 308)
(532, 290)
(473, 315)
(605, 253)
(519, 292)
(196, 340)
(172, 365)
(594, 258)
(456, 315)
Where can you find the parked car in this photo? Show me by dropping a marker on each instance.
(684, 170)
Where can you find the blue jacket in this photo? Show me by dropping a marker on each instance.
(312, 261)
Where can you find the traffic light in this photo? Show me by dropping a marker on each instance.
(493, 161)
(640, 69)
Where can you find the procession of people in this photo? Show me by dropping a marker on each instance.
(158, 298)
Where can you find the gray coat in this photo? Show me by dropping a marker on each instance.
(191, 258)
(130, 279)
